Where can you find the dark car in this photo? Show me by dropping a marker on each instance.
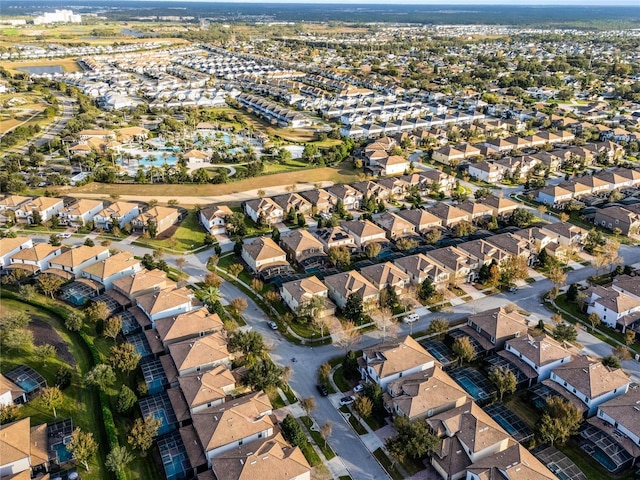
(322, 389)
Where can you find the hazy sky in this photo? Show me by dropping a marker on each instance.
(577, 3)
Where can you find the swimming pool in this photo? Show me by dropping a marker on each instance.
(27, 384)
(62, 455)
(472, 389)
(145, 161)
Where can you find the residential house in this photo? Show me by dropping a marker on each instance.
(208, 389)
(364, 232)
(554, 195)
(9, 204)
(10, 247)
(226, 427)
(252, 460)
(117, 214)
(24, 449)
(331, 237)
(200, 354)
(298, 293)
(513, 463)
(264, 211)
(390, 165)
(541, 353)
(422, 220)
(502, 207)
(621, 413)
(321, 201)
(373, 189)
(342, 285)
(588, 381)
(387, 275)
(441, 181)
(423, 394)
(477, 211)
(565, 233)
(293, 202)
(81, 212)
(188, 325)
(514, 245)
(389, 361)
(46, 207)
(349, 196)
(449, 214)
(394, 225)
(420, 267)
(459, 264)
(143, 282)
(491, 329)
(614, 306)
(468, 435)
(110, 269)
(485, 252)
(264, 254)
(71, 263)
(11, 393)
(168, 302)
(161, 217)
(303, 248)
(618, 218)
(213, 218)
(34, 259)
(489, 172)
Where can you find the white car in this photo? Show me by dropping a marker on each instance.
(358, 388)
(64, 235)
(411, 318)
(273, 325)
(347, 400)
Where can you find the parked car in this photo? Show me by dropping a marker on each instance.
(412, 317)
(513, 289)
(322, 390)
(273, 325)
(347, 400)
(358, 388)
(64, 235)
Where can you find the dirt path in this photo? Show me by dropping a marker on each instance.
(43, 333)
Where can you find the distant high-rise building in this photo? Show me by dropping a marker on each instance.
(59, 16)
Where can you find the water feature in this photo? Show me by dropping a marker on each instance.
(43, 69)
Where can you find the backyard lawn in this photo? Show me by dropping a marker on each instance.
(187, 236)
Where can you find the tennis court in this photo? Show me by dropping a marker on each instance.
(154, 375)
(174, 457)
(160, 407)
(509, 421)
(473, 382)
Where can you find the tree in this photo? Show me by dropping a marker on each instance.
(212, 280)
(415, 437)
(521, 217)
(308, 404)
(235, 269)
(426, 290)
(247, 342)
(101, 376)
(262, 374)
(54, 240)
(82, 446)
(504, 380)
(118, 458)
(124, 357)
(611, 361)
(16, 339)
(384, 321)
(90, 243)
(323, 373)
(237, 306)
(143, 432)
(572, 292)
(565, 332)
(629, 337)
(293, 432)
(51, 398)
(50, 284)
(257, 285)
(372, 250)
(112, 327)
(560, 420)
(97, 311)
(463, 229)
(348, 336)
(363, 406)
(44, 352)
(353, 309)
(512, 269)
(438, 327)
(350, 365)
(340, 257)
(594, 320)
(210, 296)
(557, 276)
(325, 431)
(621, 352)
(74, 321)
(126, 400)
(64, 377)
(10, 413)
(405, 244)
(464, 349)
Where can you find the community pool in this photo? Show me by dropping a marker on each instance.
(146, 161)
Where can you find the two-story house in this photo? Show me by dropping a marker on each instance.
(10, 247)
(143, 282)
(364, 232)
(389, 361)
(331, 237)
(588, 381)
(349, 196)
(200, 354)
(387, 275)
(192, 324)
(541, 353)
(419, 267)
(160, 217)
(46, 207)
(168, 302)
(263, 253)
(422, 220)
(117, 214)
(491, 329)
(342, 285)
(81, 212)
(208, 389)
(449, 215)
(302, 247)
(394, 225)
(71, 263)
(297, 293)
(613, 305)
(212, 217)
(110, 269)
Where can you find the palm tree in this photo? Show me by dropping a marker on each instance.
(210, 296)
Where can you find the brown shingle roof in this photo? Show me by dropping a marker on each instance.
(188, 324)
(389, 358)
(207, 387)
(201, 351)
(591, 377)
